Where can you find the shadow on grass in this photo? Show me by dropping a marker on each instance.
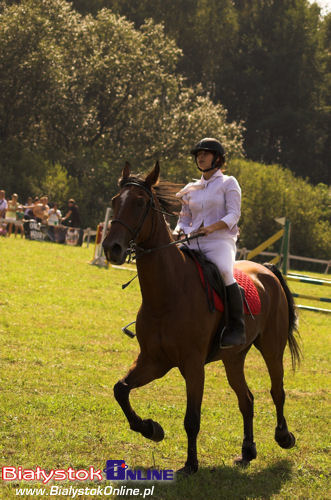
(226, 483)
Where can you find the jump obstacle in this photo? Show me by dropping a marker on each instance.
(99, 258)
(283, 258)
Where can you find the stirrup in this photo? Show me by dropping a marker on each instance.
(241, 338)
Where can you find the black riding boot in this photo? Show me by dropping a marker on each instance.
(234, 333)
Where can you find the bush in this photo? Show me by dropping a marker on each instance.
(269, 192)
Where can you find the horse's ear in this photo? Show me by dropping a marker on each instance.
(153, 176)
(126, 170)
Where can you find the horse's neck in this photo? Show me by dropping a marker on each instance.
(159, 271)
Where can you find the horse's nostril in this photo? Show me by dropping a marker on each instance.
(115, 250)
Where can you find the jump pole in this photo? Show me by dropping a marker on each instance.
(307, 279)
(316, 309)
(310, 281)
(99, 257)
(285, 245)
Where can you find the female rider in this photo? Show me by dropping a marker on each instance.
(211, 207)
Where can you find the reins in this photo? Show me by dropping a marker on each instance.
(134, 252)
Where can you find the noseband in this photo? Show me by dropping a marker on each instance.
(150, 204)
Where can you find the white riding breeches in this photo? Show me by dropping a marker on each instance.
(221, 251)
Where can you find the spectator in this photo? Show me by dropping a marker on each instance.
(54, 218)
(41, 209)
(72, 219)
(28, 214)
(11, 214)
(28, 208)
(19, 220)
(3, 204)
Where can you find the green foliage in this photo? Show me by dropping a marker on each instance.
(270, 192)
(266, 61)
(91, 92)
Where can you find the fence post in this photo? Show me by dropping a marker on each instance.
(286, 247)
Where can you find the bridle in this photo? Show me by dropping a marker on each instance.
(134, 251)
(135, 232)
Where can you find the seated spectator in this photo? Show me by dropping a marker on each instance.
(41, 209)
(3, 204)
(11, 214)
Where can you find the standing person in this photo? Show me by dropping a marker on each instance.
(19, 220)
(211, 208)
(54, 218)
(41, 209)
(28, 212)
(11, 214)
(3, 204)
(72, 217)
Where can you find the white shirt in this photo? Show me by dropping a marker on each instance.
(208, 201)
(54, 216)
(3, 204)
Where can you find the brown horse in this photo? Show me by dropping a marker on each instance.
(174, 326)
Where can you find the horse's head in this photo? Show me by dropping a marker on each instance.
(132, 214)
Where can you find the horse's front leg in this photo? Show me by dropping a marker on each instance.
(194, 375)
(143, 371)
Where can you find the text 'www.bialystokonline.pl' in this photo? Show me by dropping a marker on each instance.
(75, 492)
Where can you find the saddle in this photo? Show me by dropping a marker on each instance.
(216, 294)
(214, 286)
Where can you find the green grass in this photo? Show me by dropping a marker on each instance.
(62, 350)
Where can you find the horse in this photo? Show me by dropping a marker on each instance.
(174, 326)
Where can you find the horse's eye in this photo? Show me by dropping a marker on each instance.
(140, 202)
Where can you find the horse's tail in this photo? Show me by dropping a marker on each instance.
(293, 318)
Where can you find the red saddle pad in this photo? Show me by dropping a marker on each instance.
(246, 282)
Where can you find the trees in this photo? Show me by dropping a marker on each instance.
(270, 192)
(89, 92)
(266, 61)
(279, 90)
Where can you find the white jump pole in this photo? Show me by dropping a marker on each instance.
(99, 257)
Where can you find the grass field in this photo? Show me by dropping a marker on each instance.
(62, 350)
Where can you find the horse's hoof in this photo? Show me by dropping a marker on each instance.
(187, 470)
(155, 431)
(158, 432)
(286, 441)
(241, 462)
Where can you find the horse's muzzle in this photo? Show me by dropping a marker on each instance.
(115, 254)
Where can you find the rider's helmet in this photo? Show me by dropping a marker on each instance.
(212, 145)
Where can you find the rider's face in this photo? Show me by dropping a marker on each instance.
(205, 159)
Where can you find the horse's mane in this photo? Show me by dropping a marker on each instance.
(165, 192)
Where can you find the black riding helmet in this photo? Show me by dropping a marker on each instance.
(212, 145)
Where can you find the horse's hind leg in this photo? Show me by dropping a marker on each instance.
(284, 438)
(143, 371)
(235, 373)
